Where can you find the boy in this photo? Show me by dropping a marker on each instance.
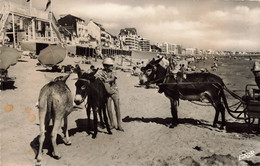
(108, 76)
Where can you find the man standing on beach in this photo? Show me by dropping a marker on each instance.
(108, 76)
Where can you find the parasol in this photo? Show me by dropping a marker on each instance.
(8, 56)
(52, 55)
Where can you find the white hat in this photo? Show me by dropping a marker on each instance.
(108, 61)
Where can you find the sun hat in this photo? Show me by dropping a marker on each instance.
(108, 61)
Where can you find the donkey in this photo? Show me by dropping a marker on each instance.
(191, 87)
(88, 85)
(79, 72)
(56, 103)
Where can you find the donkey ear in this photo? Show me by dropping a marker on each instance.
(64, 79)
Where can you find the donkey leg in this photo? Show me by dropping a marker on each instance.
(56, 127)
(66, 132)
(222, 110)
(215, 105)
(216, 117)
(106, 119)
(95, 110)
(42, 115)
(174, 111)
(88, 114)
(102, 124)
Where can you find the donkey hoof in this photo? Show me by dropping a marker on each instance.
(94, 136)
(39, 159)
(56, 156)
(109, 132)
(221, 128)
(173, 125)
(67, 141)
(102, 126)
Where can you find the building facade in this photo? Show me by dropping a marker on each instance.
(169, 48)
(145, 44)
(24, 23)
(129, 38)
(77, 28)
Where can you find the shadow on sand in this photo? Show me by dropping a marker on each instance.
(82, 126)
(47, 142)
(49, 70)
(19, 60)
(230, 126)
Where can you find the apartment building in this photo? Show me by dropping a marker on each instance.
(77, 28)
(129, 38)
(190, 51)
(169, 48)
(145, 44)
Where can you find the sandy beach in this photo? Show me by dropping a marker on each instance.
(146, 116)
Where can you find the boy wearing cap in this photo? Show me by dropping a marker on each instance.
(108, 76)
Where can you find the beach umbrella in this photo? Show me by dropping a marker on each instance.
(8, 56)
(52, 55)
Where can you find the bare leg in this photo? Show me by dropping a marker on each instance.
(118, 113)
(110, 114)
(56, 127)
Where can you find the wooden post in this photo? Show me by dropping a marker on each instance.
(14, 38)
(122, 59)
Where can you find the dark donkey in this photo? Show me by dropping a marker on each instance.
(88, 85)
(192, 87)
(56, 103)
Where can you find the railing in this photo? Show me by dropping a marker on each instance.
(24, 10)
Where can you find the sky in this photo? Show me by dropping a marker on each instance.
(232, 25)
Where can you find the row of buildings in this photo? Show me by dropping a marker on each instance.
(23, 23)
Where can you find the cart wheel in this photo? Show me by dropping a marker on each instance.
(248, 120)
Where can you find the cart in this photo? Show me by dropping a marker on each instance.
(248, 106)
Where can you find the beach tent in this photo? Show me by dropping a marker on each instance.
(52, 55)
(8, 56)
(28, 46)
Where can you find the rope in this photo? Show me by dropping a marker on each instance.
(234, 104)
(233, 94)
(200, 104)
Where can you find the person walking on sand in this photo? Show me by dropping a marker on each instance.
(108, 76)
